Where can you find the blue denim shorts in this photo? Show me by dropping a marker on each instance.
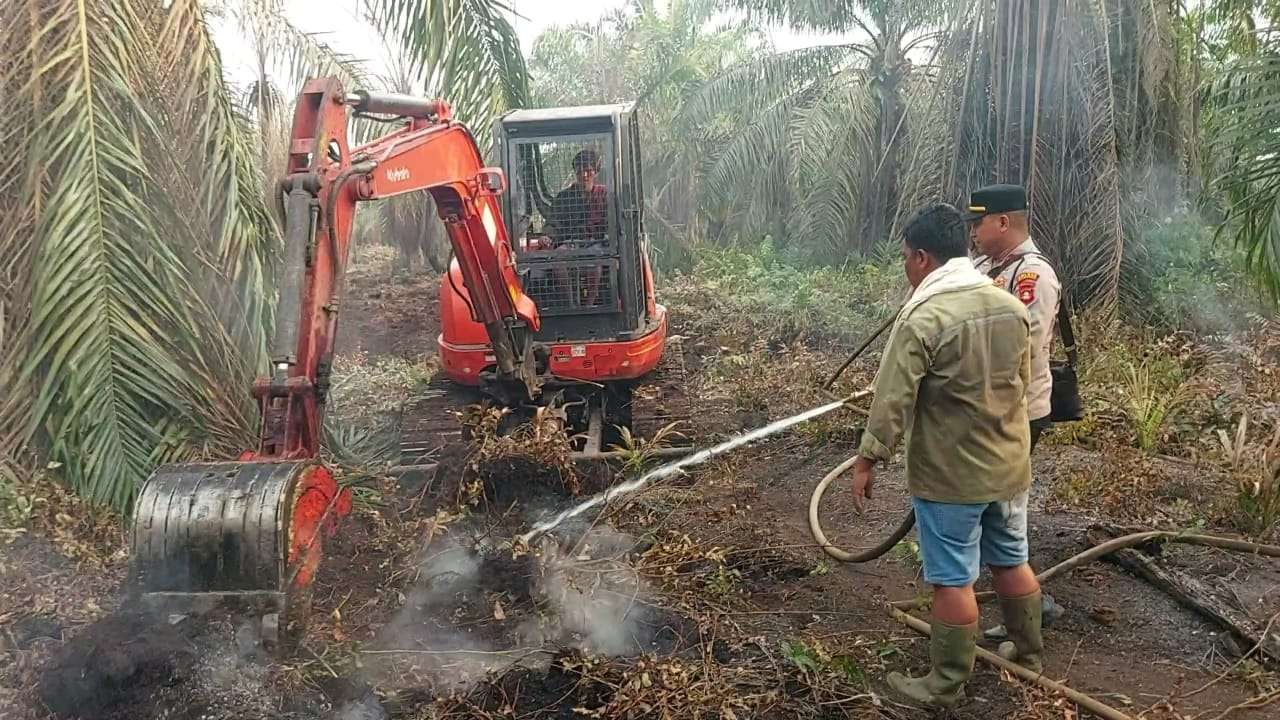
(956, 540)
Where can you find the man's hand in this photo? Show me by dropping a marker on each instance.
(864, 476)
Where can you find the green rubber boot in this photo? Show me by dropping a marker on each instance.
(1022, 618)
(952, 651)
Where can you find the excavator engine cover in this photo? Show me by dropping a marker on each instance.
(248, 532)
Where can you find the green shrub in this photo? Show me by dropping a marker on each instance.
(1179, 278)
(783, 302)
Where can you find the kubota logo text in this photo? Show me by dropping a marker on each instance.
(397, 174)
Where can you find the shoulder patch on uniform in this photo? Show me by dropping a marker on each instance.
(1032, 276)
(1025, 288)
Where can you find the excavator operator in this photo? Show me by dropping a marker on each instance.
(580, 212)
(580, 219)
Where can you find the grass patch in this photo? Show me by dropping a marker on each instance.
(367, 388)
(765, 298)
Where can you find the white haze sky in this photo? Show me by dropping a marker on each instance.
(339, 23)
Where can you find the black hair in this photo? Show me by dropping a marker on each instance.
(587, 158)
(939, 230)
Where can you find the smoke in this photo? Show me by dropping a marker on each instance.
(1174, 275)
(592, 595)
(475, 609)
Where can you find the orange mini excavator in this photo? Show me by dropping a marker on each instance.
(568, 308)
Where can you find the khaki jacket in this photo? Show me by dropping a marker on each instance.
(1032, 280)
(953, 383)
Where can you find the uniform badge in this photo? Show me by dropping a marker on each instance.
(1025, 287)
(998, 281)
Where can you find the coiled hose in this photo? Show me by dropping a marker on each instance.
(815, 525)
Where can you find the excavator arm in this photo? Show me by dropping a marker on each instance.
(253, 529)
(325, 181)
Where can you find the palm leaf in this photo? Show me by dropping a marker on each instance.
(1247, 139)
(303, 54)
(465, 50)
(103, 298)
(147, 224)
(18, 177)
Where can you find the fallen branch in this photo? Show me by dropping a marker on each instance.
(1097, 708)
(1200, 597)
(1266, 631)
(1262, 700)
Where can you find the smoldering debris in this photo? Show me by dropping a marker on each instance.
(476, 610)
(114, 665)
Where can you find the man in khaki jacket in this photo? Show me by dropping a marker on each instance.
(953, 383)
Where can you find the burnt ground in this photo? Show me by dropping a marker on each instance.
(702, 597)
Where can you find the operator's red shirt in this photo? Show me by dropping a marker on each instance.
(581, 215)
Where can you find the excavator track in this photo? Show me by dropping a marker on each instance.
(662, 397)
(429, 422)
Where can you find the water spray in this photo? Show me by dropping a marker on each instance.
(697, 458)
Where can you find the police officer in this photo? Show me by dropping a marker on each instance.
(1000, 231)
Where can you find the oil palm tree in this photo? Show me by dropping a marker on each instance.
(817, 132)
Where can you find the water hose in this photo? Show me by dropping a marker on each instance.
(815, 525)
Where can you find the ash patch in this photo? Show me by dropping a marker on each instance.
(113, 667)
(135, 665)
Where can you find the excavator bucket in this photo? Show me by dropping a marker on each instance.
(241, 533)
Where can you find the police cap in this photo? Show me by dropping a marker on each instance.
(996, 199)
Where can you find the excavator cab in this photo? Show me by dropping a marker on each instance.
(574, 210)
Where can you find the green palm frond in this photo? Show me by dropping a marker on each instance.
(104, 305)
(146, 247)
(744, 89)
(302, 54)
(465, 50)
(22, 49)
(835, 141)
(805, 15)
(1248, 141)
(239, 239)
